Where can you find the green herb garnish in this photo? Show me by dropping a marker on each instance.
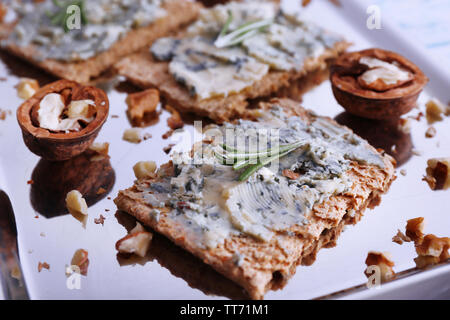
(252, 161)
(243, 32)
(61, 16)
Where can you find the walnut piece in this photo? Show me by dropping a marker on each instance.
(81, 260)
(174, 121)
(100, 220)
(101, 148)
(435, 109)
(438, 173)
(26, 88)
(142, 105)
(77, 206)
(414, 229)
(135, 243)
(383, 262)
(404, 125)
(431, 251)
(133, 135)
(144, 169)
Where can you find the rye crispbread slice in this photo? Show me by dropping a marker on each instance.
(144, 71)
(179, 14)
(268, 265)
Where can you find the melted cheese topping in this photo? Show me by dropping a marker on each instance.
(210, 202)
(389, 73)
(208, 71)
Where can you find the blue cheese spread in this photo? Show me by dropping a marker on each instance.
(210, 202)
(208, 71)
(107, 22)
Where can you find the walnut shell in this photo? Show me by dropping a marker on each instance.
(58, 146)
(369, 103)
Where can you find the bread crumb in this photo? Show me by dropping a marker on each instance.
(383, 262)
(43, 265)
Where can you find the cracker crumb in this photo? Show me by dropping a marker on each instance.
(416, 152)
(101, 190)
(100, 220)
(403, 172)
(290, 174)
(43, 265)
(168, 134)
(400, 237)
(168, 148)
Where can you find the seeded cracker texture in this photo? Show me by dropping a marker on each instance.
(268, 265)
(179, 13)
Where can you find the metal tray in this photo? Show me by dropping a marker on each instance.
(171, 273)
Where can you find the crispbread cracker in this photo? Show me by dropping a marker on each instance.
(268, 265)
(179, 13)
(145, 72)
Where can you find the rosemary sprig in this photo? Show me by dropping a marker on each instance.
(241, 159)
(60, 16)
(245, 31)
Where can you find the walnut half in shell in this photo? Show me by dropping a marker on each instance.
(376, 84)
(62, 119)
